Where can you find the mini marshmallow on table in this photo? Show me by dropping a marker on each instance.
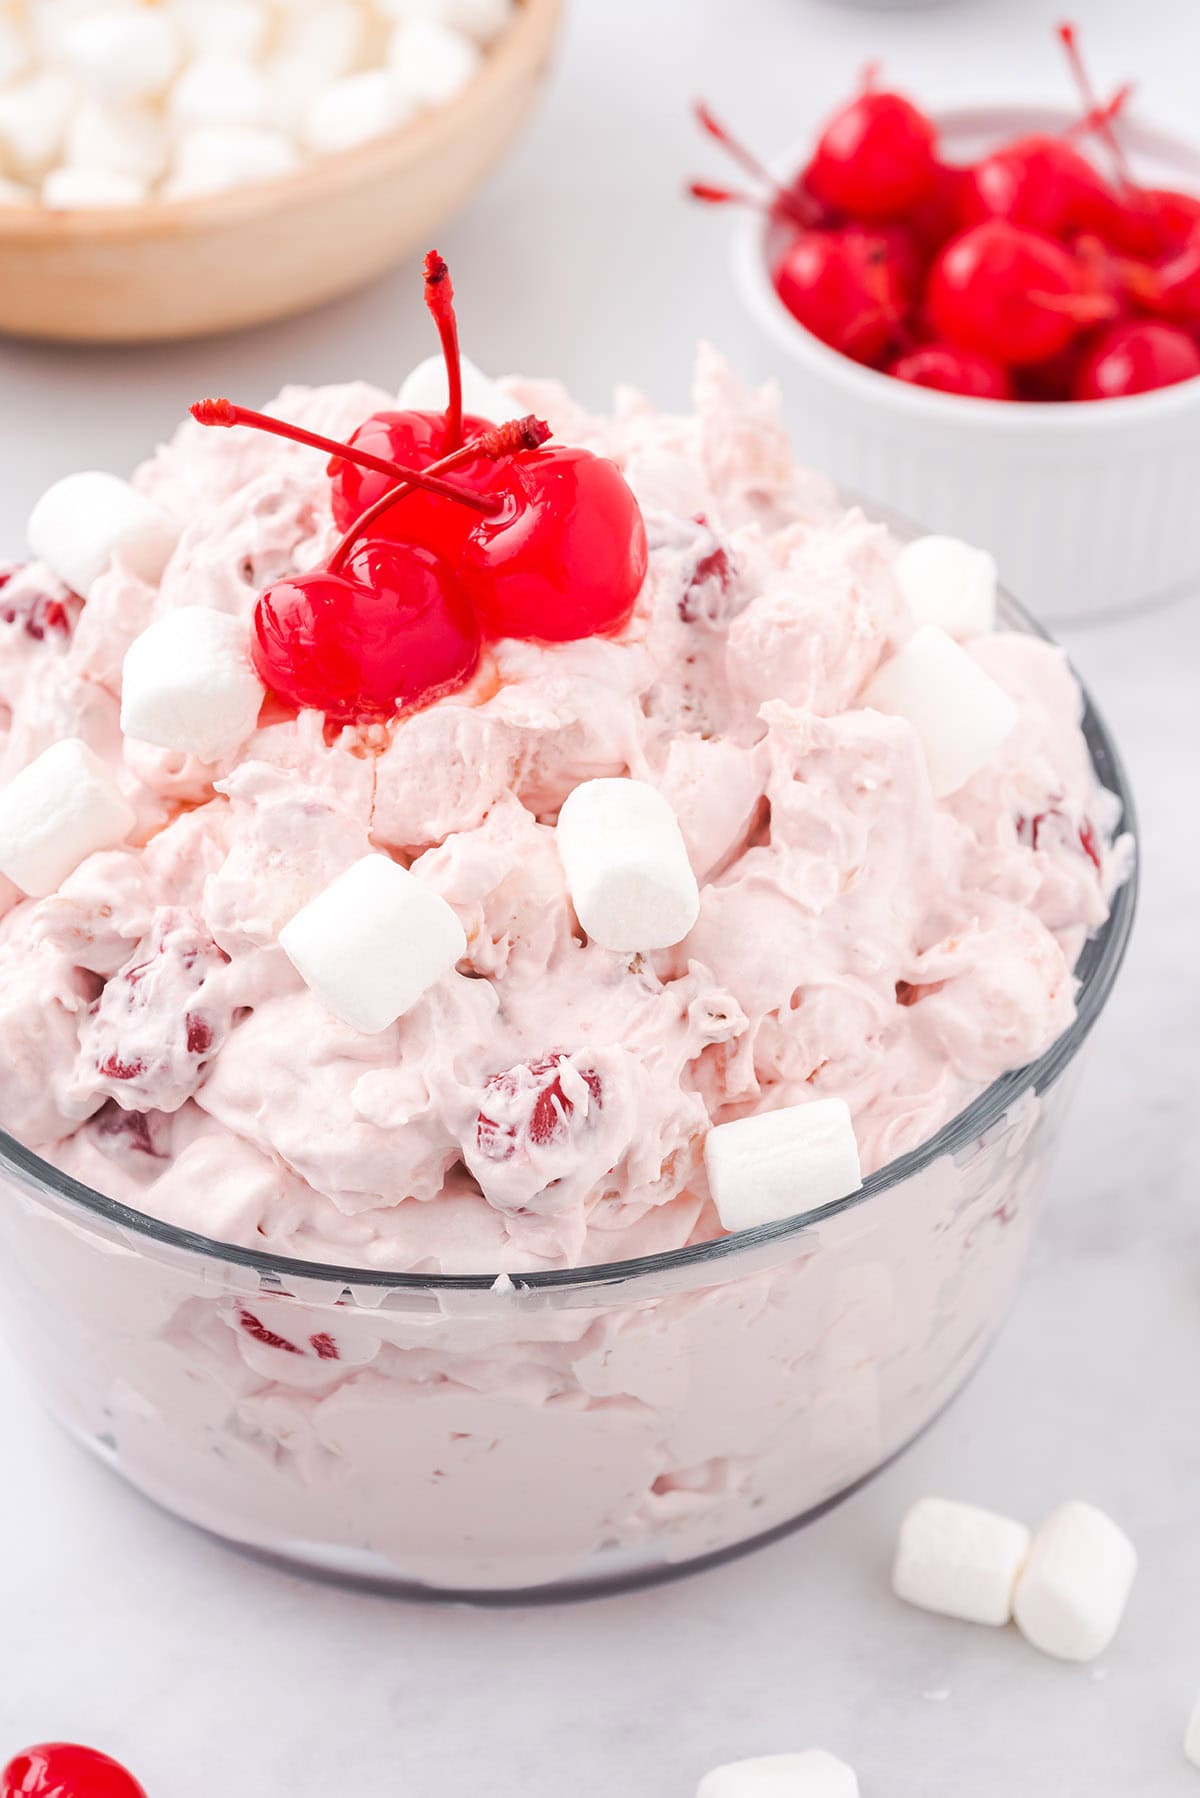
(188, 684)
(815, 1774)
(961, 715)
(949, 583)
(425, 390)
(373, 943)
(959, 1560)
(626, 864)
(56, 812)
(83, 521)
(1073, 1589)
(778, 1163)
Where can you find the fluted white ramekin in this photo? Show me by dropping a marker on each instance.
(1087, 508)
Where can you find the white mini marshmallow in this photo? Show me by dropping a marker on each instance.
(60, 809)
(85, 520)
(948, 582)
(373, 943)
(816, 1774)
(432, 63)
(317, 46)
(425, 390)
(482, 20)
(33, 121)
(70, 189)
(961, 715)
(121, 140)
(627, 866)
(225, 28)
(211, 158)
(218, 90)
(1074, 1587)
(778, 1163)
(188, 684)
(959, 1560)
(123, 53)
(355, 108)
(1191, 1740)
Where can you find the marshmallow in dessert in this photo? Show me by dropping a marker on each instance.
(187, 684)
(949, 583)
(86, 520)
(959, 1560)
(373, 943)
(425, 389)
(960, 714)
(813, 1774)
(111, 105)
(626, 865)
(779, 1163)
(1075, 1584)
(61, 808)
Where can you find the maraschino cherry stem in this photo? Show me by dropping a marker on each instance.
(439, 297)
(518, 434)
(1101, 116)
(225, 414)
(786, 201)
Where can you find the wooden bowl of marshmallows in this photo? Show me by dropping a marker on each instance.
(175, 167)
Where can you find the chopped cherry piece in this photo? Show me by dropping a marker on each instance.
(531, 1107)
(1030, 832)
(705, 599)
(566, 554)
(131, 1132)
(324, 1347)
(40, 615)
(254, 1327)
(396, 630)
(1136, 358)
(1011, 294)
(157, 1020)
(876, 158)
(949, 370)
(66, 1770)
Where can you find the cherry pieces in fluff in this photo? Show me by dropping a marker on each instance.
(1038, 272)
(454, 530)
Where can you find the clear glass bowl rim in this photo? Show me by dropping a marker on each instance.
(1096, 971)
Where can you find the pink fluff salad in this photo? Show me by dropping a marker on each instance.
(546, 1104)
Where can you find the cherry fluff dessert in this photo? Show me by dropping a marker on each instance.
(520, 933)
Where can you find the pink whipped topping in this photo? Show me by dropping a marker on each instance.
(547, 1103)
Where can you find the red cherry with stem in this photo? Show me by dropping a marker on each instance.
(1010, 293)
(394, 631)
(1038, 181)
(945, 369)
(1136, 358)
(938, 217)
(566, 554)
(415, 437)
(66, 1770)
(876, 158)
(845, 287)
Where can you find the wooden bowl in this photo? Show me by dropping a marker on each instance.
(181, 268)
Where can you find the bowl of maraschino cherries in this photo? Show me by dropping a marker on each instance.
(456, 531)
(991, 319)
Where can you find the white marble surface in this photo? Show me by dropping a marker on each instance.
(211, 1673)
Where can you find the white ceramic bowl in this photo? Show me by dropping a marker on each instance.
(1087, 508)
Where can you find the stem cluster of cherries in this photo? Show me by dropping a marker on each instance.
(1029, 274)
(524, 541)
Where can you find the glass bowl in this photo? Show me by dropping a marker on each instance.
(577, 1429)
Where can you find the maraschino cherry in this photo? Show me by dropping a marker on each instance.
(1136, 358)
(1009, 293)
(413, 437)
(66, 1770)
(876, 158)
(945, 369)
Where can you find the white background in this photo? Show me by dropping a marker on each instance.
(211, 1674)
